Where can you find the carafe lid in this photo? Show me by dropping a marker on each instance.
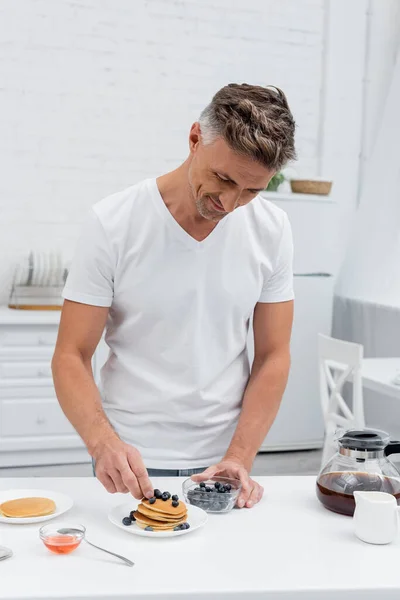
(369, 440)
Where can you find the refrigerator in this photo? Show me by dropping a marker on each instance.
(299, 423)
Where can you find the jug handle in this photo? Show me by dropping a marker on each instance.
(393, 447)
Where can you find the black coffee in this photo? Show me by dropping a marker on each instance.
(335, 490)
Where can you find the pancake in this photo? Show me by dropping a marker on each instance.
(142, 521)
(160, 515)
(147, 511)
(27, 507)
(165, 507)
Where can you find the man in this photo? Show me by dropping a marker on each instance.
(175, 268)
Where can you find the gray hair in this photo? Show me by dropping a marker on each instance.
(254, 121)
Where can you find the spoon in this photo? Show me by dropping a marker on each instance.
(72, 531)
(5, 553)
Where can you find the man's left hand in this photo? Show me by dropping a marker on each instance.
(251, 492)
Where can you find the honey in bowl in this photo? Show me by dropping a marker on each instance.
(62, 544)
(62, 538)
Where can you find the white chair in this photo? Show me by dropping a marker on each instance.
(339, 361)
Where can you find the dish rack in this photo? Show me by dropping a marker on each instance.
(38, 282)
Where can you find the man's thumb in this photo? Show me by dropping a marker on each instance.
(207, 474)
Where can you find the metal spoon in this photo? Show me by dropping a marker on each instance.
(72, 531)
(5, 553)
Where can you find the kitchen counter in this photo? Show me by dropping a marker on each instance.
(288, 547)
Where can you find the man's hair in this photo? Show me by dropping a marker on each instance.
(254, 121)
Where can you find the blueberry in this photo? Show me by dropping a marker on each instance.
(202, 484)
(221, 490)
(152, 500)
(228, 487)
(177, 528)
(175, 504)
(185, 526)
(175, 498)
(127, 521)
(208, 489)
(157, 493)
(217, 485)
(167, 494)
(148, 528)
(132, 515)
(197, 489)
(164, 496)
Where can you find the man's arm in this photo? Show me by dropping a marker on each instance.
(119, 466)
(272, 326)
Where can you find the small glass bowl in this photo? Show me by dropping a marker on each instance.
(62, 543)
(208, 497)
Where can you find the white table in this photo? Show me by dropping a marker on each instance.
(377, 375)
(288, 547)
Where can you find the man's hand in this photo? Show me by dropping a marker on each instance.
(251, 491)
(120, 468)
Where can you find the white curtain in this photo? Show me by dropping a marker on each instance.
(367, 298)
(371, 270)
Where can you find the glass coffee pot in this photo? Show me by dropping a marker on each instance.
(361, 464)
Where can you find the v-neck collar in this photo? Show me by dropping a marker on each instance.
(178, 230)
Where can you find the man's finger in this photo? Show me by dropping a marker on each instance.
(145, 484)
(246, 488)
(145, 487)
(254, 496)
(118, 482)
(260, 492)
(106, 481)
(207, 474)
(129, 479)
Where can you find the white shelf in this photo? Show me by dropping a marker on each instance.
(11, 316)
(291, 197)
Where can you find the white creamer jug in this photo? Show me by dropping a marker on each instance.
(375, 517)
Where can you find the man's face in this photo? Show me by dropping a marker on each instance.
(221, 179)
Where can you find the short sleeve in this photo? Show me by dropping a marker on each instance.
(279, 286)
(91, 275)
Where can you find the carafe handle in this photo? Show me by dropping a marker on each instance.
(393, 447)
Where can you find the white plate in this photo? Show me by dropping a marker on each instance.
(62, 501)
(196, 518)
(53, 267)
(34, 269)
(43, 262)
(37, 269)
(46, 269)
(59, 279)
(23, 271)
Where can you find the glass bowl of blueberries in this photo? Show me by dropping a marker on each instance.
(216, 495)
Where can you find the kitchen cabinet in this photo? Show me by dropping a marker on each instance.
(33, 428)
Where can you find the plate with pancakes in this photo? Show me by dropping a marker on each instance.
(158, 517)
(32, 506)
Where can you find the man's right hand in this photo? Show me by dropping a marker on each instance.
(120, 468)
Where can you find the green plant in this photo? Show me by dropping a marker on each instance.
(275, 182)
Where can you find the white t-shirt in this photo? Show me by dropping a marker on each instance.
(179, 314)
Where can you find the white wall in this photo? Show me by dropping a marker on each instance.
(98, 94)
(383, 44)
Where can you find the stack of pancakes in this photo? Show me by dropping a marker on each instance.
(161, 515)
(27, 507)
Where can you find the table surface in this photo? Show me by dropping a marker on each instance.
(377, 375)
(286, 547)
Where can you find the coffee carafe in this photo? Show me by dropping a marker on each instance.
(360, 464)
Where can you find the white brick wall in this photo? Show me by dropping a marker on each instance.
(98, 94)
